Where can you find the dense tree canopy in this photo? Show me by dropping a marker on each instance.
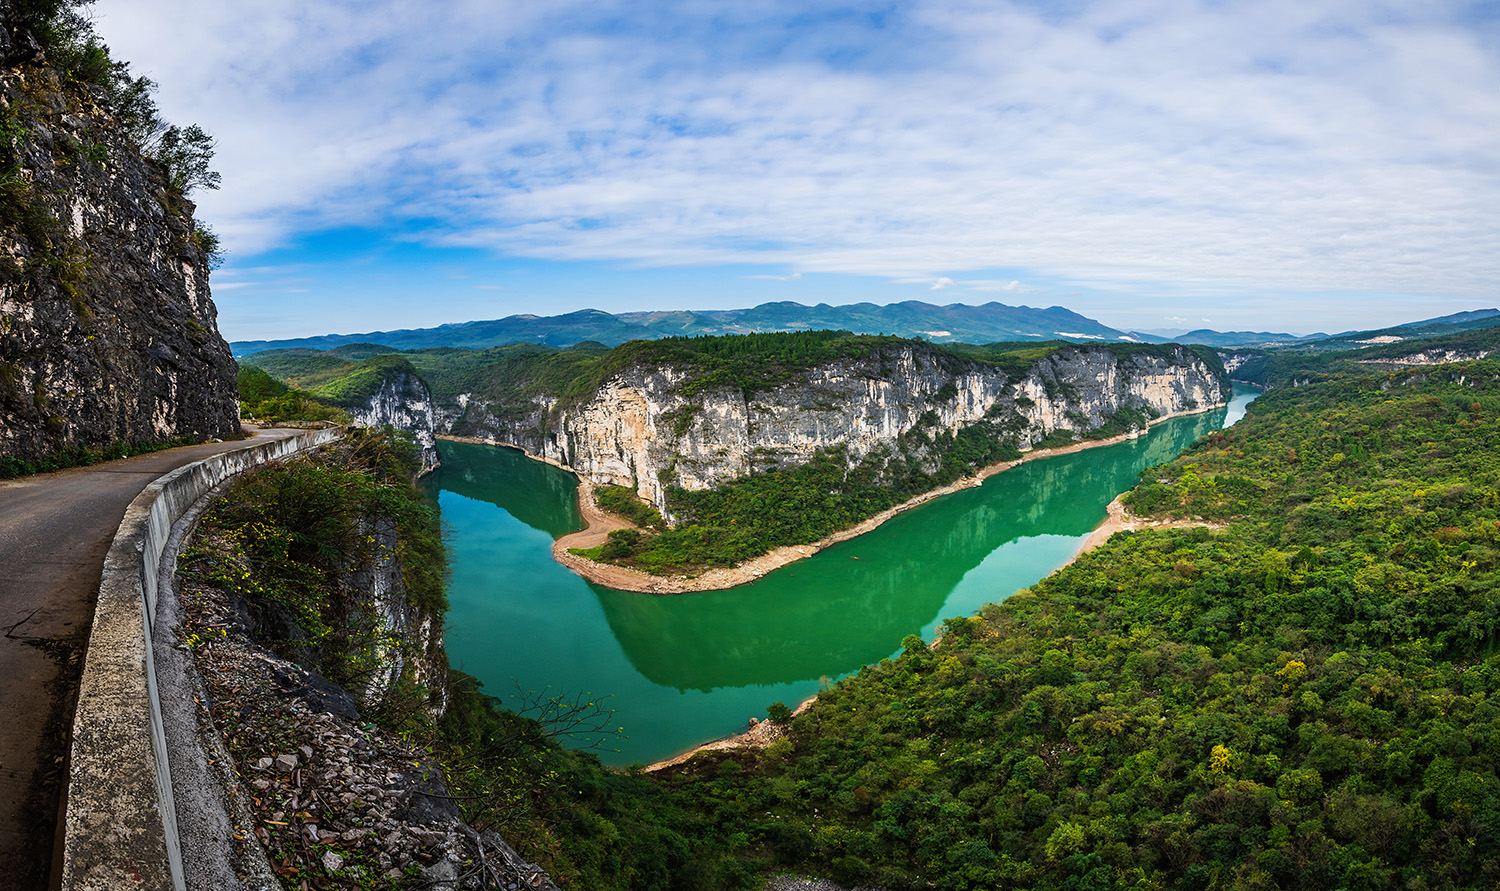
(1303, 696)
(1304, 699)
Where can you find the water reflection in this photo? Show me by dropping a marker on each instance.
(688, 668)
(847, 606)
(539, 495)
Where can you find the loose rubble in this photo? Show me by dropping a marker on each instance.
(335, 802)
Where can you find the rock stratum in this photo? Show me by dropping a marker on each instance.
(652, 427)
(402, 401)
(107, 328)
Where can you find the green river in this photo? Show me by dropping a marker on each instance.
(684, 669)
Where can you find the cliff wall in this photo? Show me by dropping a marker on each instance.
(107, 328)
(1434, 356)
(645, 429)
(404, 402)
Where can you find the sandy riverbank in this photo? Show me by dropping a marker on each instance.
(1118, 519)
(621, 578)
(760, 734)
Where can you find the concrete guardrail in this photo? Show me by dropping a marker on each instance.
(120, 828)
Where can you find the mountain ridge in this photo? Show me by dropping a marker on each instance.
(951, 323)
(988, 322)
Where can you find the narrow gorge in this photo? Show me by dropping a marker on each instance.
(652, 427)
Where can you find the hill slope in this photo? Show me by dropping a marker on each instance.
(1304, 699)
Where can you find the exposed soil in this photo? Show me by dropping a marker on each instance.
(759, 735)
(1121, 520)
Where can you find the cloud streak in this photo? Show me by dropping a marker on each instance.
(1340, 145)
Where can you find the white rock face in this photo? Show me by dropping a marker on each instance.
(1432, 357)
(1233, 361)
(397, 629)
(640, 430)
(403, 402)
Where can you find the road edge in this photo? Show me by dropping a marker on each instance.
(119, 823)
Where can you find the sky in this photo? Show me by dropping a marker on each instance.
(1283, 165)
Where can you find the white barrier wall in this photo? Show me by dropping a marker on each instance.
(120, 828)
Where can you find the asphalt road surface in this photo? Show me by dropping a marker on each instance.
(55, 529)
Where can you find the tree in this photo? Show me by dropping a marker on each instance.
(186, 152)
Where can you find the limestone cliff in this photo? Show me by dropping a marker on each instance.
(400, 634)
(1433, 356)
(645, 429)
(107, 327)
(403, 401)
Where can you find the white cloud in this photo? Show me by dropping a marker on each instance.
(941, 283)
(1222, 147)
(1010, 287)
(796, 276)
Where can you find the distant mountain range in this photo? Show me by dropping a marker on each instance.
(1209, 337)
(943, 324)
(1472, 320)
(956, 322)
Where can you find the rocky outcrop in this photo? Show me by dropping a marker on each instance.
(1248, 366)
(645, 430)
(107, 327)
(404, 402)
(306, 777)
(398, 631)
(1438, 356)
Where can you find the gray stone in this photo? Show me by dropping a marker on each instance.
(640, 429)
(108, 331)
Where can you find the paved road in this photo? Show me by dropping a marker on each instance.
(55, 530)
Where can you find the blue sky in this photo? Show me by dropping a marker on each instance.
(1311, 165)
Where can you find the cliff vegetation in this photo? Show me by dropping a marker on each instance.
(330, 569)
(748, 443)
(108, 339)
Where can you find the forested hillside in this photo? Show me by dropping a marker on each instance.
(1305, 699)
(753, 442)
(1299, 365)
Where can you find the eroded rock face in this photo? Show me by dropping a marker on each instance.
(405, 403)
(1432, 357)
(641, 430)
(107, 328)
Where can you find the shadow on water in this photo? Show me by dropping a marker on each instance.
(849, 605)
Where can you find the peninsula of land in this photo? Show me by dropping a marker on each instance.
(599, 523)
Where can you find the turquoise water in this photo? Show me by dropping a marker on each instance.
(683, 669)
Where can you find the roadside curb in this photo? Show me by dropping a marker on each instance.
(119, 825)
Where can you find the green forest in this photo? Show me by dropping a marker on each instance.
(1306, 364)
(738, 520)
(1302, 697)
(1302, 700)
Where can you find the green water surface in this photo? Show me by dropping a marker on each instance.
(684, 669)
